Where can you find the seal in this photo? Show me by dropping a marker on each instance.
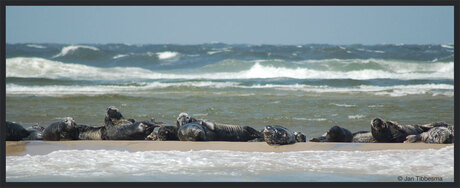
(392, 132)
(15, 132)
(436, 135)
(133, 131)
(363, 137)
(335, 134)
(214, 131)
(167, 132)
(113, 117)
(278, 135)
(86, 132)
(63, 130)
(300, 137)
(193, 131)
(36, 133)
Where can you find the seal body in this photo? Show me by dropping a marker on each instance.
(63, 130)
(113, 117)
(436, 135)
(133, 131)
(36, 133)
(300, 137)
(363, 137)
(86, 132)
(15, 132)
(392, 132)
(335, 134)
(278, 135)
(193, 131)
(167, 132)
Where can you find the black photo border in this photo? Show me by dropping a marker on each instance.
(4, 3)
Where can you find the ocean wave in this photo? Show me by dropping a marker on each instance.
(43, 68)
(35, 46)
(72, 48)
(357, 116)
(167, 55)
(215, 163)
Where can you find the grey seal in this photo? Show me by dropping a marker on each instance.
(211, 131)
(113, 117)
(436, 135)
(363, 137)
(278, 135)
(392, 132)
(167, 132)
(300, 137)
(86, 132)
(36, 132)
(15, 132)
(133, 131)
(62, 130)
(335, 134)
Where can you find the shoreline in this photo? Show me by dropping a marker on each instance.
(17, 148)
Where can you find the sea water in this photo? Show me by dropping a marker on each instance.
(307, 88)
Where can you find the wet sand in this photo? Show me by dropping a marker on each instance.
(45, 147)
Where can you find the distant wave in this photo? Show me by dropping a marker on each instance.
(43, 68)
(69, 49)
(215, 163)
(167, 55)
(36, 46)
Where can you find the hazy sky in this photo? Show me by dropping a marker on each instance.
(249, 25)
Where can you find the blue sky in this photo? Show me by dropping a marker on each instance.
(249, 25)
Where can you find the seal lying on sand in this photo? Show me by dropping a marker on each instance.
(15, 132)
(36, 133)
(436, 135)
(300, 137)
(335, 134)
(63, 130)
(133, 131)
(86, 132)
(389, 131)
(363, 137)
(113, 118)
(278, 135)
(211, 131)
(167, 132)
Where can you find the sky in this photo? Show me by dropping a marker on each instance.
(230, 24)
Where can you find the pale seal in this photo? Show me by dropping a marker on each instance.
(278, 135)
(436, 135)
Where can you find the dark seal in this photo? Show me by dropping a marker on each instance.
(335, 134)
(36, 132)
(278, 135)
(211, 131)
(15, 132)
(66, 129)
(392, 132)
(133, 131)
(300, 137)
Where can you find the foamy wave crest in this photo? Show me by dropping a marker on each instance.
(178, 165)
(68, 49)
(43, 68)
(35, 46)
(395, 91)
(167, 55)
(58, 90)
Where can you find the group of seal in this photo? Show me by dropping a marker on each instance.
(187, 128)
(391, 132)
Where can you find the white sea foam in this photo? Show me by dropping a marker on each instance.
(119, 56)
(66, 50)
(447, 46)
(167, 55)
(177, 165)
(36, 46)
(43, 68)
(357, 116)
(343, 105)
(310, 119)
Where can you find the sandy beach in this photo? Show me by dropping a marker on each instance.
(45, 147)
